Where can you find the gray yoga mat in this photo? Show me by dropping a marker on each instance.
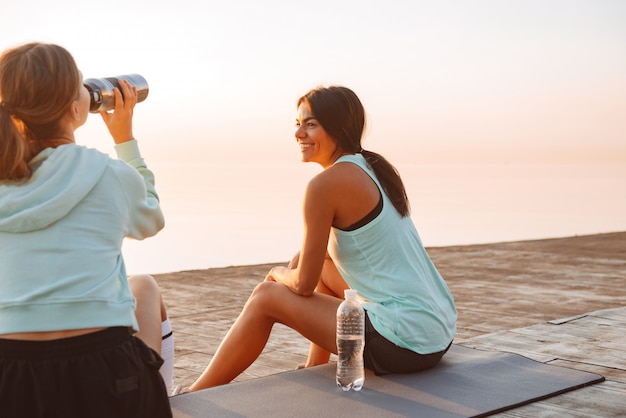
(466, 383)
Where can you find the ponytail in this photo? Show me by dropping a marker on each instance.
(390, 181)
(38, 83)
(15, 152)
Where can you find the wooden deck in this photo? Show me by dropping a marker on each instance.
(594, 342)
(512, 297)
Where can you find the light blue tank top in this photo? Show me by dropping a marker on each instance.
(406, 299)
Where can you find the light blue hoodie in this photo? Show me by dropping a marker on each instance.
(61, 235)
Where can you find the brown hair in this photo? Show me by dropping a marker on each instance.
(341, 114)
(38, 83)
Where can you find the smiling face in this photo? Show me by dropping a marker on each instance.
(315, 143)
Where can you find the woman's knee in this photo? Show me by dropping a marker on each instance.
(266, 290)
(143, 285)
(146, 291)
(265, 295)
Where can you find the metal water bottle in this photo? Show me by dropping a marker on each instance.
(102, 97)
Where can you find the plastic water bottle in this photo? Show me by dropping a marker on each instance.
(350, 342)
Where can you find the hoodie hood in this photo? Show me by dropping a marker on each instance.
(62, 177)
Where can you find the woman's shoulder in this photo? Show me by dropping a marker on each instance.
(341, 179)
(335, 175)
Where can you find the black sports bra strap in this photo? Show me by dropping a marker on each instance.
(367, 218)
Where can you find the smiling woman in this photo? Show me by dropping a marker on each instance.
(315, 143)
(357, 234)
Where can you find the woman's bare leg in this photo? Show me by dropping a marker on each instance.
(312, 316)
(331, 283)
(153, 322)
(150, 310)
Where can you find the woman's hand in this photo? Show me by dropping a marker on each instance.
(120, 121)
(290, 278)
(274, 273)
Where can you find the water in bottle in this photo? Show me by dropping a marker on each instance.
(350, 342)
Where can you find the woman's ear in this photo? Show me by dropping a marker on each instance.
(74, 111)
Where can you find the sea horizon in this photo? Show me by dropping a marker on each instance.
(254, 217)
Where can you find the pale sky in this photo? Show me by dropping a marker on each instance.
(442, 81)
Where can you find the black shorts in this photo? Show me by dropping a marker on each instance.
(384, 357)
(107, 373)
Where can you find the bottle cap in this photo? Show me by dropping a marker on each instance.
(350, 293)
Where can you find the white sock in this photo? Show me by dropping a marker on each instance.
(167, 353)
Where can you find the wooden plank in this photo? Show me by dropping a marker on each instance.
(565, 320)
(604, 400)
(615, 314)
(589, 339)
